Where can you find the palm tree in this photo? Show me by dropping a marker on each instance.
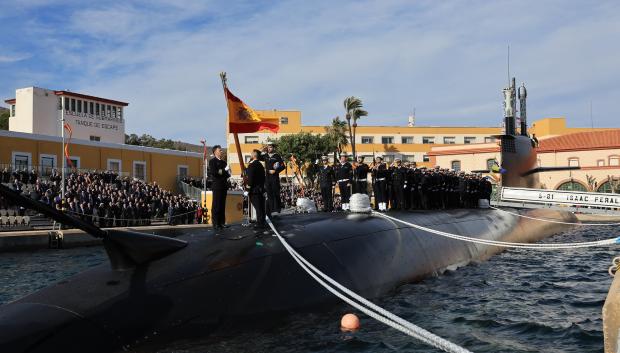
(591, 182)
(353, 107)
(337, 136)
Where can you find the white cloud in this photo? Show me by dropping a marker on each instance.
(13, 58)
(445, 58)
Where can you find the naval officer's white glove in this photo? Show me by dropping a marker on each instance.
(227, 168)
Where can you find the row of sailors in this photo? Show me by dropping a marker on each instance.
(401, 186)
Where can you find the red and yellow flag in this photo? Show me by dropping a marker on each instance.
(243, 119)
(70, 130)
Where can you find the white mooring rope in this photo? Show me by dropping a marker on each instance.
(368, 307)
(555, 221)
(546, 246)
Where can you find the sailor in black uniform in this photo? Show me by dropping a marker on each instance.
(344, 174)
(327, 182)
(414, 184)
(273, 166)
(219, 172)
(399, 184)
(255, 186)
(380, 174)
(361, 176)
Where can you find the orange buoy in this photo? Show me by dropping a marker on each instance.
(349, 322)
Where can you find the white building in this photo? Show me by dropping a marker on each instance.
(37, 110)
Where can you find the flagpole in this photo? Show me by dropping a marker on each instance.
(237, 145)
(62, 153)
(204, 166)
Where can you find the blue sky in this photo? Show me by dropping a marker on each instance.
(445, 58)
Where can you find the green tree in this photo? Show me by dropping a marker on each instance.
(353, 107)
(336, 136)
(305, 146)
(4, 121)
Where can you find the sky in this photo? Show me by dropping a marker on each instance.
(446, 59)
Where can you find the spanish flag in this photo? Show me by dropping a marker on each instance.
(243, 119)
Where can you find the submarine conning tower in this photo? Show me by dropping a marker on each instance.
(518, 154)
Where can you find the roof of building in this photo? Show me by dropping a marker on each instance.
(581, 141)
(119, 146)
(79, 95)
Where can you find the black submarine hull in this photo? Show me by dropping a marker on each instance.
(233, 273)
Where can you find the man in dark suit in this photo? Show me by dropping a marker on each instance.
(255, 186)
(219, 172)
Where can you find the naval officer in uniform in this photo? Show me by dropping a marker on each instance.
(255, 186)
(219, 172)
(344, 173)
(273, 166)
(327, 182)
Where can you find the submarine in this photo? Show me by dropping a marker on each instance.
(157, 288)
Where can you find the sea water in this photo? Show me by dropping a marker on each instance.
(518, 301)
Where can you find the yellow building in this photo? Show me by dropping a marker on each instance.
(595, 151)
(410, 143)
(98, 125)
(22, 150)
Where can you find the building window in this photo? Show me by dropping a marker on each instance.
(47, 163)
(95, 138)
(12, 109)
(120, 114)
(600, 163)
(92, 110)
(251, 139)
(114, 112)
(426, 158)
(449, 140)
(469, 139)
(21, 160)
(606, 187)
(573, 162)
(67, 103)
(108, 111)
(489, 139)
(456, 166)
(79, 106)
(97, 109)
(387, 139)
(409, 158)
(114, 165)
(614, 160)
(572, 186)
(72, 104)
(366, 140)
(428, 140)
(407, 139)
(139, 170)
(182, 171)
(388, 158)
(284, 120)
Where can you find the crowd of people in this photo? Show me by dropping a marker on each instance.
(104, 198)
(399, 186)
